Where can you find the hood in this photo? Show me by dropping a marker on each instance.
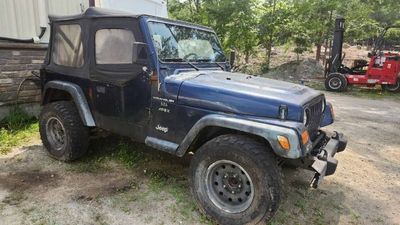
(239, 93)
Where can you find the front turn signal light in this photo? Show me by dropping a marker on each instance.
(305, 137)
(284, 142)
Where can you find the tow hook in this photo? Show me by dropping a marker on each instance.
(315, 181)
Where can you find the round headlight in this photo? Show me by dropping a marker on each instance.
(305, 117)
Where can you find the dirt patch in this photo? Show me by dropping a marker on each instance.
(23, 180)
(105, 185)
(297, 70)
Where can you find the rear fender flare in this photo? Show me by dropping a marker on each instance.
(79, 98)
(267, 131)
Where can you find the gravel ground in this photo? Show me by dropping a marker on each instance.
(35, 189)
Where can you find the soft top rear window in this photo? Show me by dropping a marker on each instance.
(68, 46)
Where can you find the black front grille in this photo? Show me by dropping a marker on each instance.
(314, 111)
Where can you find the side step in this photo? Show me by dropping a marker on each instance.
(162, 145)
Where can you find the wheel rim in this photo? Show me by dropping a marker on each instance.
(55, 133)
(229, 186)
(335, 83)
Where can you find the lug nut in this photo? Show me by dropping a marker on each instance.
(226, 176)
(233, 192)
(239, 185)
(224, 186)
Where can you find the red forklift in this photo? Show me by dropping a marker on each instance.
(382, 69)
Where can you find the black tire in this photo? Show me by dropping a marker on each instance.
(62, 131)
(257, 162)
(392, 88)
(336, 82)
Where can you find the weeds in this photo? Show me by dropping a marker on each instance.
(370, 93)
(129, 153)
(16, 128)
(178, 188)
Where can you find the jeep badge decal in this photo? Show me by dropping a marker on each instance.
(161, 128)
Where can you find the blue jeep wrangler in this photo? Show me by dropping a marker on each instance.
(168, 84)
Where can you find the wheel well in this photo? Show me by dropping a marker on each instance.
(211, 132)
(53, 95)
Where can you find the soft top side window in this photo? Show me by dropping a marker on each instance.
(68, 46)
(114, 46)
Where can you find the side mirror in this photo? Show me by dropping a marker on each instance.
(232, 58)
(139, 52)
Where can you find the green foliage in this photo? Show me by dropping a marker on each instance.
(246, 25)
(16, 119)
(275, 26)
(302, 43)
(15, 129)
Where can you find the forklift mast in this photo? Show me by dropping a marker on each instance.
(335, 60)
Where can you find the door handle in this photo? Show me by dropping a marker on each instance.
(101, 89)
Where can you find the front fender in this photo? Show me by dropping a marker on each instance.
(328, 117)
(269, 131)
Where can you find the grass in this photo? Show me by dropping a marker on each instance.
(164, 173)
(16, 129)
(371, 93)
(103, 150)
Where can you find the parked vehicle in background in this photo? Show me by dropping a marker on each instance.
(382, 69)
(168, 84)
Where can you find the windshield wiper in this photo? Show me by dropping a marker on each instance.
(181, 60)
(209, 60)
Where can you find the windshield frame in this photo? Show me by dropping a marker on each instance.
(189, 26)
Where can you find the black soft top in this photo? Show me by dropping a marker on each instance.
(108, 18)
(95, 12)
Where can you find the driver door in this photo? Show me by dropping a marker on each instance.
(120, 85)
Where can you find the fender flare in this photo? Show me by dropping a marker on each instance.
(328, 116)
(79, 98)
(268, 131)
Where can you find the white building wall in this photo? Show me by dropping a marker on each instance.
(22, 19)
(149, 7)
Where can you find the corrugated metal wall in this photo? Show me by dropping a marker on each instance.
(22, 18)
(150, 7)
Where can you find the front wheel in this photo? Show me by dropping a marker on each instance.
(236, 180)
(392, 87)
(336, 82)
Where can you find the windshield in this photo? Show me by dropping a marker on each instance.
(178, 44)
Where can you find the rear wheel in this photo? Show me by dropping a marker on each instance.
(392, 87)
(62, 131)
(336, 82)
(236, 180)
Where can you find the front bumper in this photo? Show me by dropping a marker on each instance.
(322, 158)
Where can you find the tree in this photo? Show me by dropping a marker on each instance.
(244, 25)
(234, 21)
(316, 19)
(301, 41)
(273, 28)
